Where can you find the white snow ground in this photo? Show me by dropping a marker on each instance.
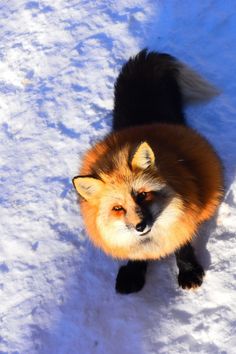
(58, 63)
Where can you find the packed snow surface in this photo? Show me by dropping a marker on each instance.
(58, 63)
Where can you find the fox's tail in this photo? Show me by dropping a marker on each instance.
(154, 87)
(194, 87)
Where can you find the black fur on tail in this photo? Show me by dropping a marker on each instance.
(147, 91)
(154, 87)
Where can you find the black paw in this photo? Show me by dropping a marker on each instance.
(191, 278)
(129, 280)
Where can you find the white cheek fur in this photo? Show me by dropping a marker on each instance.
(115, 233)
(169, 215)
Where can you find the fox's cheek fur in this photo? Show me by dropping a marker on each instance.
(115, 234)
(113, 229)
(170, 215)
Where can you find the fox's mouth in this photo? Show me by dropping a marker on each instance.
(146, 232)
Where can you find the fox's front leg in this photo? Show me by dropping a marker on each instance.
(191, 272)
(131, 277)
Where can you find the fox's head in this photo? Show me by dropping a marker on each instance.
(128, 201)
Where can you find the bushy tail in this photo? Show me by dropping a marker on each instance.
(194, 88)
(154, 87)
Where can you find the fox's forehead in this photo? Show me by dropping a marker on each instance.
(113, 159)
(130, 182)
(122, 177)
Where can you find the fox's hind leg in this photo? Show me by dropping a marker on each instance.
(131, 277)
(191, 272)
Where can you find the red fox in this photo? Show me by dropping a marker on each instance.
(148, 185)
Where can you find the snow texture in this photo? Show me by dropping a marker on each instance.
(58, 63)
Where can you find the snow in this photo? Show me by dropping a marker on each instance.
(58, 64)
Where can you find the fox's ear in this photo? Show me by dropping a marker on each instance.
(143, 157)
(87, 187)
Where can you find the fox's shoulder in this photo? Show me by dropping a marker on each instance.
(167, 141)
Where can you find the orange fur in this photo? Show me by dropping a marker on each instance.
(185, 161)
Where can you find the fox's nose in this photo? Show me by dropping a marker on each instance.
(141, 226)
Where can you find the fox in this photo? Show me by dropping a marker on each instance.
(145, 189)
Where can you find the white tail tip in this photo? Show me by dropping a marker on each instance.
(194, 87)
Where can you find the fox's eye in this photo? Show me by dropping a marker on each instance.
(118, 208)
(141, 196)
